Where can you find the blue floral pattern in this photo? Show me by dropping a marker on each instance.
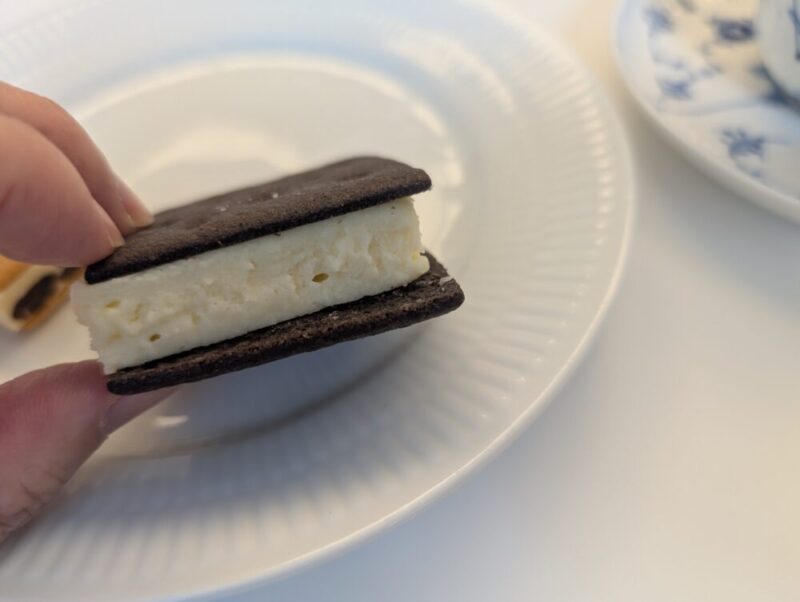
(775, 94)
(675, 89)
(678, 86)
(732, 31)
(742, 147)
(708, 77)
(658, 20)
(677, 80)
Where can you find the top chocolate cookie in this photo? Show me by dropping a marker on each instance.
(235, 217)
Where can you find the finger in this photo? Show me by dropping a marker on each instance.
(58, 126)
(51, 421)
(47, 214)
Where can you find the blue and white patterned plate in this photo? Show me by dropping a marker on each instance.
(695, 68)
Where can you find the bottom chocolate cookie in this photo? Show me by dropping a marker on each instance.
(431, 295)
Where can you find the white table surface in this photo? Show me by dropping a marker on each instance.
(668, 468)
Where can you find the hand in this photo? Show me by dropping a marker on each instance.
(60, 204)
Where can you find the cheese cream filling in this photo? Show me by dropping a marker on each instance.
(228, 292)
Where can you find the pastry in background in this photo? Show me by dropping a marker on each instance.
(31, 293)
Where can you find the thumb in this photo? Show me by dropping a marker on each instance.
(51, 421)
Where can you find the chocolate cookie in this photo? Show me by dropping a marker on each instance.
(259, 274)
(268, 208)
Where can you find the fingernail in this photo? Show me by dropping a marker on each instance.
(115, 239)
(113, 234)
(139, 215)
(125, 409)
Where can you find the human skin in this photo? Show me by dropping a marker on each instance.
(60, 204)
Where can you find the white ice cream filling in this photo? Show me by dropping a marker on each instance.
(227, 292)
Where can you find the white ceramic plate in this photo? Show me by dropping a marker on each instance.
(695, 68)
(250, 475)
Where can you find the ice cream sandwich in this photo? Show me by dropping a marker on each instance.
(30, 293)
(265, 272)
